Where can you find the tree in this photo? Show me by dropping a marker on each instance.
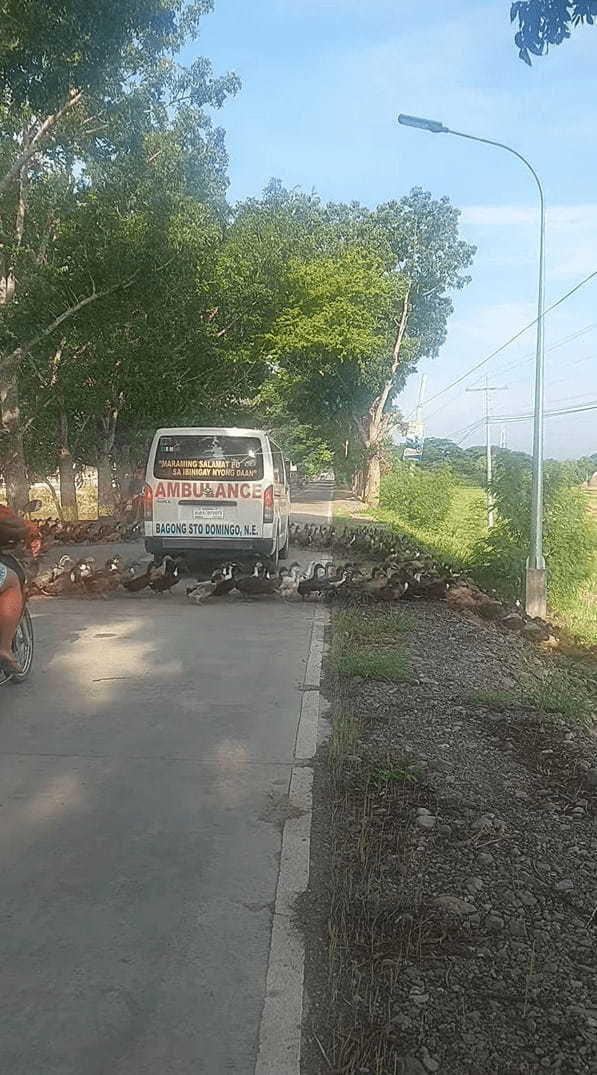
(359, 313)
(86, 244)
(542, 23)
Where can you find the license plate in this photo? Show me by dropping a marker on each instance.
(208, 513)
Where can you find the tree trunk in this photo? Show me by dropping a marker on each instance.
(124, 474)
(68, 491)
(373, 479)
(358, 483)
(374, 427)
(15, 470)
(105, 489)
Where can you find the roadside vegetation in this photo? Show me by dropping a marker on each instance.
(440, 905)
(443, 506)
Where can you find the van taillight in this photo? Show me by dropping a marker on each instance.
(147, 503)
(268, 505)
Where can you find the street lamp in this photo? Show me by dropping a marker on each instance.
(536, 602)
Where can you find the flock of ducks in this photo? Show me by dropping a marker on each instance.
(390, 581)
(401, 572)
(89, 531)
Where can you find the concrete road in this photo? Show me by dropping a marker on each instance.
(143, 775)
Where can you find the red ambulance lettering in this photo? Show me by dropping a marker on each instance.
(186, 490)
(220, 491)
(245, 491)
(173, 489)
(233, 490)
(256, 492)
(160, 491)
(197, 488)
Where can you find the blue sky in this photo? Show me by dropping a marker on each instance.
(323, 81)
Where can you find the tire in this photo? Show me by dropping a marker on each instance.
(22, 649)
(275, 556)
(283, 552)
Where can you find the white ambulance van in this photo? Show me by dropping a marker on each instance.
(216, 494)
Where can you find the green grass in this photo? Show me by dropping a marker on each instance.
(580, 616)
(346, 732)
(387, 777)
(454, 539)
(86, 501)
(365, 644)
(558, 693)
(453, 542)
(373, 664)
(380, 626)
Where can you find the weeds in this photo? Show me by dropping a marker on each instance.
(346, 731)
(356, 649)
(560, 692)
(557, 692)
(374, 664)
(386, 777)
(380, 626)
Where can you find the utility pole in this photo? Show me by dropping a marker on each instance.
(487, 388)
(419, 412)
(536, 593)
(503, 437)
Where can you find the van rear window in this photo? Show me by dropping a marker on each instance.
(212, 457)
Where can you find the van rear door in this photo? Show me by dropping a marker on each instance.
(208, 485)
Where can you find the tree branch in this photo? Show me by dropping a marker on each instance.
(378, 405)
(44, 129)
(19, 352)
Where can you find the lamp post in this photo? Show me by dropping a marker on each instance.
(535, 602)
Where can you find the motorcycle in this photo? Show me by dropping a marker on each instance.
(23, 643)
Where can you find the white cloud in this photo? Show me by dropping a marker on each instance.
(508, 234)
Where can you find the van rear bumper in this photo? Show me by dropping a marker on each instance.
(211, 549)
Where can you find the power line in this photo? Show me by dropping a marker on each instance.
(559, 343)
(560, 380)
(497, 418)
(512, 339)
(592, 406)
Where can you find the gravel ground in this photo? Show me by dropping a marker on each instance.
(454, 889)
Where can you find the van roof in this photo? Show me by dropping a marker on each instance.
(193, 431)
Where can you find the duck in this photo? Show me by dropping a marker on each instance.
(315, 582)
(259, 582)
(220, 583)
(170, 577)
(201, 591)
(140, 582)
(225, 583)
(289, 579)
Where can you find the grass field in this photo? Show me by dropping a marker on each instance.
(454, 540)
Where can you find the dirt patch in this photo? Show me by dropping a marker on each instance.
(452, 911)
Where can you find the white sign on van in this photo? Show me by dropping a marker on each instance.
(208, 513)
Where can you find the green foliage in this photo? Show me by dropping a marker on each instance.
(313, 294)
(542, 23)
(423, 497)
(47, 47)
(303, 446)
(569, 538)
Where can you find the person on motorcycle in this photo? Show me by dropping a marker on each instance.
(14, 530)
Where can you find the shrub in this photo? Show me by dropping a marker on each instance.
(422, 497)
(499, 559)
